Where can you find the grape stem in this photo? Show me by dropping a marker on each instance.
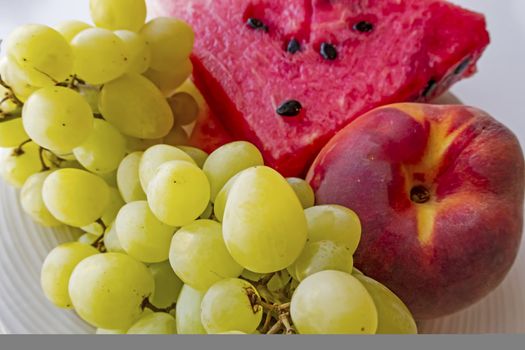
(18, 151)
(12, 95)
(275, 328)
(42, 161)
(99, 243)
(146, 304)
(285, 320)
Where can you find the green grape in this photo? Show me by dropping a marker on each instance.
(178, 193)
(118, 14)
(138, 52)
(100, 56)
(13, 76)
(69, 29)
(103, 150)
(184, 107)
(177, 137)
(231, 332)
(75, 197)
(156, 323)
(103, 331)
(189, 87)
(291, 270)
(111, 241)
(110, 213)
(110, 178)
(57, 269)
(228, 160)
(252, 276)
(18, 164)
(170, 40)
(208, 212)
(168, 81)
(334, 223)
(333, 302)
(33, 203)
(136, 107)
(279, 281)
(87, 238)
(155, 157)
(356, 272)
(228, 305)
(107, 290)
(57, 118)
(222, 197)
(90, 93)
(198, 155)
(141, 234)
(393, 315)
(188, 311)
(303, 190)
(128, 178)
(12, 132)
(323, 255)
(199, 256)
(41, 52)
(140, 145)
(167, 285)
(264, 225)
(8, 107)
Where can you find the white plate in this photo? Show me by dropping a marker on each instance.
(498, 88)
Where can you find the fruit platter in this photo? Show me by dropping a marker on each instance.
(259, 167)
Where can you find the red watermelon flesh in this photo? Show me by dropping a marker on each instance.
(414, 51)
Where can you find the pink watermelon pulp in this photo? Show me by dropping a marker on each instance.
(346, 57)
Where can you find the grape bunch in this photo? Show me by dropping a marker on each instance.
(93, 123)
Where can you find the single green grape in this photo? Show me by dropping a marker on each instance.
(154, 157)
(228, 304)
(100, 56)
(41, 52)
(18, 164)
(252, 276)
(12, 133)
(136, 107)
(128, 178)
(189, 87)
(334, 223)
(111, 241)
(222, 197)
(141, 234)
(14, 76)
(228, 160)
(208, 212)
(115, 202)
(393, 315)
(188, 311)
(70, 28)
(90, 93)
(156, 323)
(33, 203)
(118, 14)
(87, 238)
(198, 155)
(140, 145)
(108, 290)
(184, 107)
(303, 190)
(171, 41)
(199, 256)
(264, 225)
(57, 269)
(177, 137)
(103, 150)
(167, 285)
(103, 331)
(57, 118)
(279, 281)
(333, 302)
(168, 81)
(178, 193)
(110, 178)
(75, 197)
(138, 52)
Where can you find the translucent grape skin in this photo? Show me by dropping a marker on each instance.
(140, 145)
(393, 315)
(57, 118)
(87, 238)
(141, 234)
(70, 28)
(57, 269)
(170, 40)
(169, 81)
(75, 197)
(167, 285)
(199, 256)
(335, 223)
(33, 203)
(128, 178)
(14, 76)
(111, 241)
(100, 56)
(222, 197)
(138, 52)
(118, 14)
(264, 225)
(303, 190)
(41, 52)
(136, 107)
(17, 166)
(177, 137)
(185, 108)
(154, 157)
(107, 290)
(12, 132)
(178, 193)
(228, 305)
(333, 302)
(115, 202)
(156, 323)
(198, 155)
(188, 311)
(228, 160)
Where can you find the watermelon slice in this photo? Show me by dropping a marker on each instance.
(288, 74)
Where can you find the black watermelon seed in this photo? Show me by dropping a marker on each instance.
(256, 24)
(328, 51)
(364, 27)
(462, 66)
(429, 89)
(293, 46)
(290, 108)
